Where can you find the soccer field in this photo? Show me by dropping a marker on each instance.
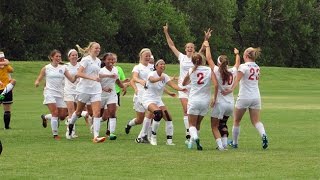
(290, 113)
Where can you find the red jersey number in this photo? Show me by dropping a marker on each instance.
(254, 74)
(200, 78)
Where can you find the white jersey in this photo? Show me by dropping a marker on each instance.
(155, 90)
(54, 80)
(108, 82)
(69, 87)
(185, 65)
(143, 72)
(227, 85)
(200, 82)
(91, 68)
(248, 87)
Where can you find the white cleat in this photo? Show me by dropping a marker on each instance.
(153, 140)
(68, 136)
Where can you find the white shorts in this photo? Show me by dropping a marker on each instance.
(248, 103)
(112, 99)
(147, 103)
(198, 107)
(222, 109)
(48, 99)
(137, 105)
(88, 98)
(70, 97)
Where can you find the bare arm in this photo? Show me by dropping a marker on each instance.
(81, 74)
(172, 94)
(208, 55)
(136, 79)
(155, 79)
(40, 77)
(175, 86)
(186, 80)
(133, 85)
(237, 63)
(207, 35)
(235, 84)
(169, 41)
(215, 85)
(69, 77)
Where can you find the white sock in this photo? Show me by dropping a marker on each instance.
(84, 113)
(145, 126)
(54, 125)
(132, 122)
(224, 141)
(112, 124)
(7, 89)
(235, 134)
(169, 128)
(155, 127)
(96, 126)
(193, 132)
(219, 143)
(48, 117)
(149, 132)
(186, 124)
(73, 118)
(259, 126)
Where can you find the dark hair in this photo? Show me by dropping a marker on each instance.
(103, 57)
(52, 53)
(223, 69)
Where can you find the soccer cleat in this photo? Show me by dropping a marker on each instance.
(138, 140)
(221, 149)
(199, 147)
(264, 141)
(189, 144)
(170, 144)
(153, 140)
(67, 135)
(56, 137)
(74, 135)
(2, 97)
(112, 136)
(99, 139)
(44, 120)
(127, 128)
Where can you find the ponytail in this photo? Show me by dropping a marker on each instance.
(223, 69)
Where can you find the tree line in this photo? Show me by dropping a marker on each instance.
(287, 31)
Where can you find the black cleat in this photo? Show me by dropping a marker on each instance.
(44, 121)
(127, 128)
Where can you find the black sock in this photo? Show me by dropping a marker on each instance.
(6, 119)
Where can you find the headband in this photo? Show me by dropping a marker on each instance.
(218, 60)
(70, 51)
(160, 60)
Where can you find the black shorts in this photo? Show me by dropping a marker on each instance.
(118, 94)
(7, 98)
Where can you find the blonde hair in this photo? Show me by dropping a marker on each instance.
(143, 51)
(85, 51)
(253, 53)
(198, 59)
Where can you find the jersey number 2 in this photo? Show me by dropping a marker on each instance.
(200, 78)
(252, 73)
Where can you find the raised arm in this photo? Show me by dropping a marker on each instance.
(237, 62)
(207, 35)
(208, 54)
(169, 41)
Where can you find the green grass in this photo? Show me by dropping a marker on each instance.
(290, 102)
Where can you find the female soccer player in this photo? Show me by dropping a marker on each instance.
(249, 96)
(200, 78)
(109, 77)
(53, 91)
(89, 88)
(152, 101)
(224, 105)
(139, 78)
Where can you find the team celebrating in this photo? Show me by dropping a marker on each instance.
(91, 89)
